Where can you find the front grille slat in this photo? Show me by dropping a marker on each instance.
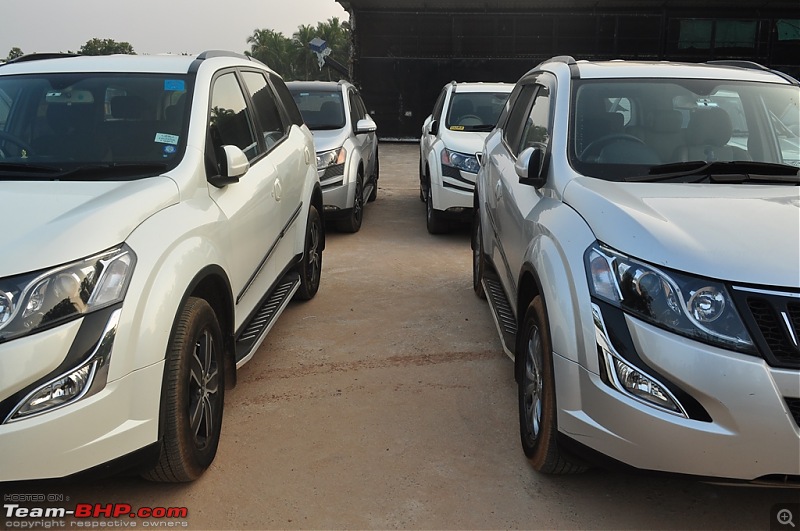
(774, 318)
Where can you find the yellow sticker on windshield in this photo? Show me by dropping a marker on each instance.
(456, 127)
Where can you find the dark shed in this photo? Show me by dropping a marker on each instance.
(404, 51)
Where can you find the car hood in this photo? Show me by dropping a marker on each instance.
(470, 142)
(325, 140)
(51, 223)
(738, 233)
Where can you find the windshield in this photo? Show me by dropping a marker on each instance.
(54, 123)
(475, 111)
(628, 128)
(321, 109)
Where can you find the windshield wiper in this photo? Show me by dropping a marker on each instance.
(735, 172)
(112, 171)
(29, 170)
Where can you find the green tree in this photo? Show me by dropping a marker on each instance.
(275, 50)
(14, 53)
(307, 64)
(105, 47)
(292, 58)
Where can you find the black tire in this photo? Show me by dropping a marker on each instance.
(373, 195)
(310, 268)
(352, 223)
(478, 259)
(537, 397)
(193, 395)
(434, 220)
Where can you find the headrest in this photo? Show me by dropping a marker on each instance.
(63, 117)
(709, 126)
(667, 121)
(127, 108)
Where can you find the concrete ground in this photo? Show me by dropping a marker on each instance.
(386, 402)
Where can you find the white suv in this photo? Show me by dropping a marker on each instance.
(452, 136)
(347, 148)
(165, 210)
(637, 233)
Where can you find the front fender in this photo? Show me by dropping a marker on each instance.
(163, 275)
(554, 260)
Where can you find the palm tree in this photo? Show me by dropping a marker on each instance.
(306, 60)
(274, 49)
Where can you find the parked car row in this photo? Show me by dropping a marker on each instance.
(635, 230)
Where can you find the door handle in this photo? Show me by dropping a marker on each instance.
(276, 190)
(498, 190)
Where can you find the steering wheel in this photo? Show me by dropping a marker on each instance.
(16, 141)
(470, 119)
(601, 142)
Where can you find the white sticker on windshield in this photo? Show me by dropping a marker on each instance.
(164, 138)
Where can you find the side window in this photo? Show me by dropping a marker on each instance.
(286, 99)
(512, 131)
(265, 107)
(536, 131)
(355, 114)
(229, 122)
(362, 109)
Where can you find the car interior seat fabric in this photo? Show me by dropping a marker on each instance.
(330, 114)
(73, 135)
(707, 136)
(131, 131)
(128, 108)
(662, 132)
(460, 109)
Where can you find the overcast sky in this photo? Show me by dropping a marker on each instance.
(153, 26)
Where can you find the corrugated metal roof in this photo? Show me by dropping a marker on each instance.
(528, 5)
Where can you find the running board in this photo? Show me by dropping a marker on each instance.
(256, 330)
(503, 317)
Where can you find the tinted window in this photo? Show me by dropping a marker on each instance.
(286, 100)
(512, 130)
(265, 107)
(229, 122)
(536, 132)
(320, 109)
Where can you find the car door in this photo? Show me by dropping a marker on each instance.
(288, 154)
(370, 139)
(429, 137)
(518, 201)
(250, 205)
(498, 171)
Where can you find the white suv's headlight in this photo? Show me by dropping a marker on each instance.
(36, 301)
(331, 158)
(695, 307)
(462, 161)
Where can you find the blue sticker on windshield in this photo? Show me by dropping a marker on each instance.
(174, 84)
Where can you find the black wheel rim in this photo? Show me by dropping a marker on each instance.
(314, 254)
(429, 205)
(476, 253)
(533, 383)
(358, 203)
(204, 390)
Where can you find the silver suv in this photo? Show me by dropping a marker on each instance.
(347, 148)
(637, 235)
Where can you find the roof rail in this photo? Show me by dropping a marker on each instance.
(208, 54)
(751, 65)
(40, 57)
(567, 60)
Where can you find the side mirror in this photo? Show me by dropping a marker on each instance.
(531, 166)
(434, 127)
(236, 165)
(365, 125)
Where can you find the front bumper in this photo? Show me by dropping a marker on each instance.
(739, 424)
(337, 192)
(110, 420)
(454, 191)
